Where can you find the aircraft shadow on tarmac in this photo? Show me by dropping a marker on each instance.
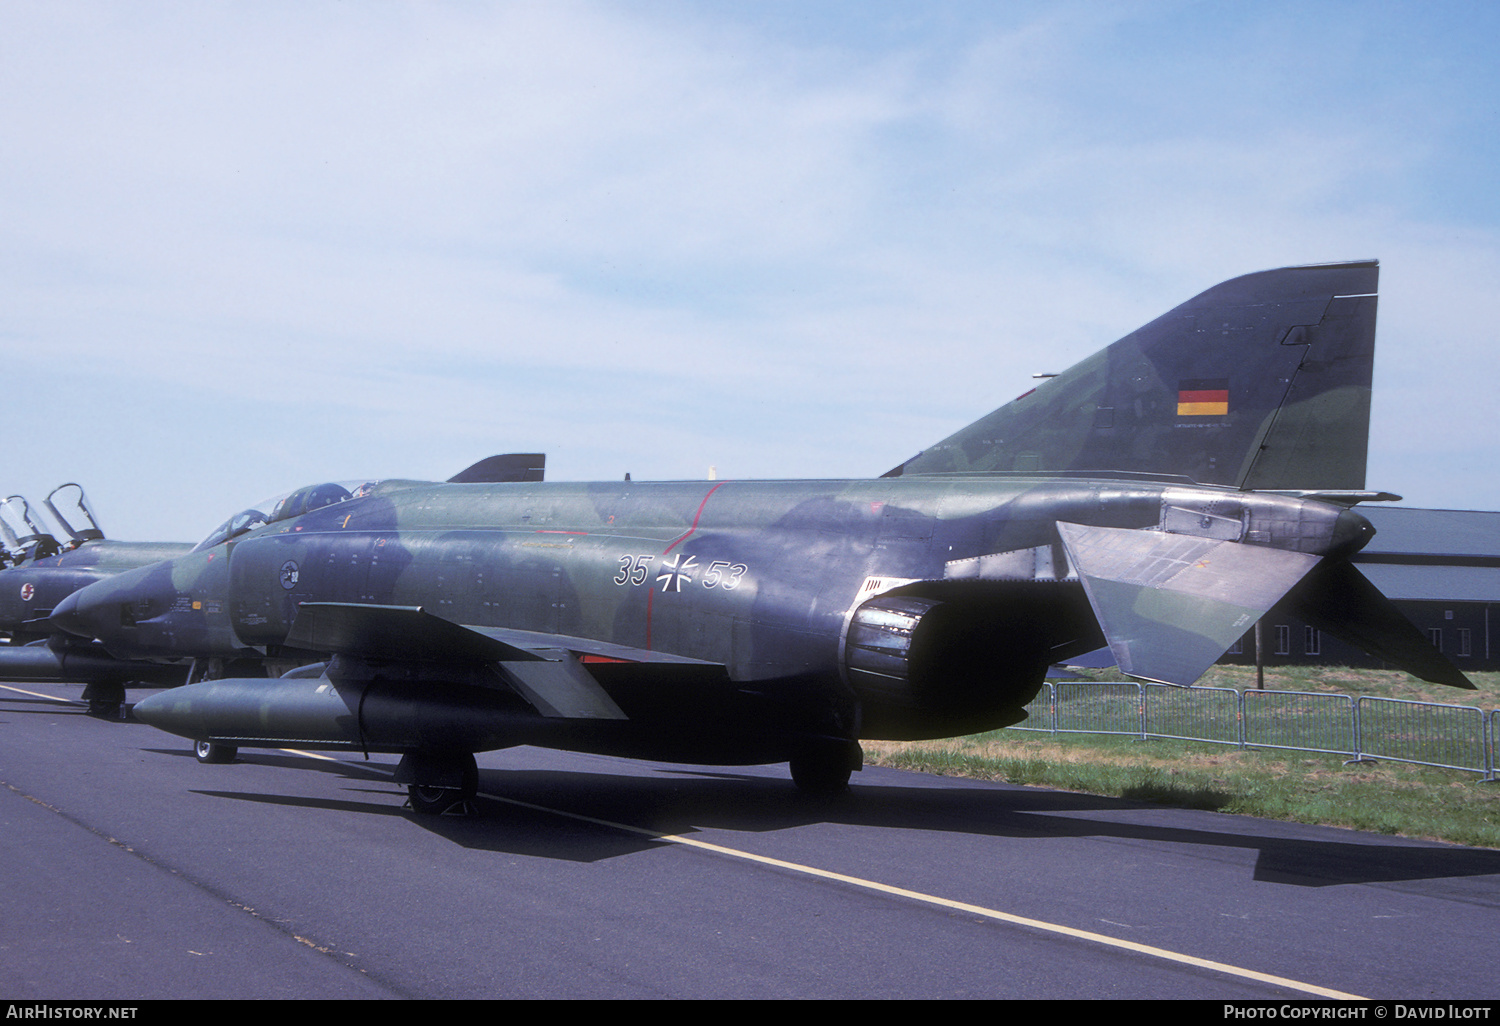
(686, 801)
(49, 706)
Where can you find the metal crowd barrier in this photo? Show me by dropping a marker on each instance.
(1302, 721)
(1193, 714)
(1425, 733)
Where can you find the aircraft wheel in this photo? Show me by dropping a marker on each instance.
(434, 800)
(104, 700)
(104, 710)
(209, 752)
(822, 769)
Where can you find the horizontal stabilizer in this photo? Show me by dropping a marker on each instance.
(1337, 496)
(1170, 605)
(1337, 598)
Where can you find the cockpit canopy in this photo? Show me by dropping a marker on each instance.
(285, 506)
(21, 536)
(305, 500)
(70, 508)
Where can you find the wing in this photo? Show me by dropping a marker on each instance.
(547, 670)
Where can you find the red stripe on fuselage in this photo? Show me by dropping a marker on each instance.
(651, 595)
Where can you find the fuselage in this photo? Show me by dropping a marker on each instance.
(29, 592)
(771, 580)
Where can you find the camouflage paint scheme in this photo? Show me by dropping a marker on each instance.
(30, 590)
(736, 622)
(1292, 350)
(38, 573)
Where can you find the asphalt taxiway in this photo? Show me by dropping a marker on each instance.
(129, 871)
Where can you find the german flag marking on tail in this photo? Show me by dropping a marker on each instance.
(1203, 397)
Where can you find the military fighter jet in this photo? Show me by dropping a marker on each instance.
(1159, 497)
(42, 572)
(45, 572)
(20, 536)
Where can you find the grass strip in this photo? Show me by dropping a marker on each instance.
(1385, 797)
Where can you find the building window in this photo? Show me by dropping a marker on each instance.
(1238, 648)
(1435, 635)
(1312, 641)
(1464, 648)
(1283, 639)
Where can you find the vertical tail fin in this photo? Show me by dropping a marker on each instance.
(1261, 382)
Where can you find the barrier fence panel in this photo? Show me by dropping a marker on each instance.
(1427, 733)
(1099, 709)
(1299, 720)
(1041, 711)
(1491, 735)
(1192, 714)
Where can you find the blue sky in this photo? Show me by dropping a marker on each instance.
(249, 246)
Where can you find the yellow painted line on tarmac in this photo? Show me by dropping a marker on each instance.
(310, 755)
(961, 906)
(38, 694)
(69, 701)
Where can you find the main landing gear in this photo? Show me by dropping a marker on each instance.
(436, 784)
(106, 701)
(823, 765)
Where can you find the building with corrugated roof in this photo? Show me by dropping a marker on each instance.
(1441, 567)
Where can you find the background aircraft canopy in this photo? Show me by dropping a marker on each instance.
(70, 508)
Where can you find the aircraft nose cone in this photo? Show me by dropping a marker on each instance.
(68, 616)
